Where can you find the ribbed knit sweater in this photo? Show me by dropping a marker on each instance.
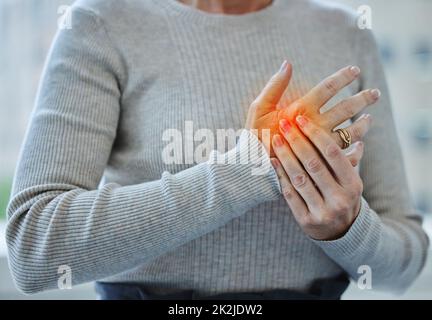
(92, 191)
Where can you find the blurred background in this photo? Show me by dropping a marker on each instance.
(404, 32)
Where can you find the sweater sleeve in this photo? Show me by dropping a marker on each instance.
(387, 235)
(57, 214)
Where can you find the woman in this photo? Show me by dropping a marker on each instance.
(127, 72)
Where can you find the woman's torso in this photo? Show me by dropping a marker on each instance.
(203, 74)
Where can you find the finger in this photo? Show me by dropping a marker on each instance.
(348, 108)
(357, 130)
(355, 155)
(309, 158)
(329, 87)
(291, 196)
(299, 178)
(274, 89)
(332, 153)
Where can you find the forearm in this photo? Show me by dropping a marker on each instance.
(393, 249)
(387, 235)
(98, 233)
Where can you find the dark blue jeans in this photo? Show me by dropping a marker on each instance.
(328, 289)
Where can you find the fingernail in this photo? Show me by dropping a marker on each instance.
(285, 125)
(284, 67)
(355, 70)
(364, 116)
(367, 116)
(302, 121)
(375, 93)
(277, 141)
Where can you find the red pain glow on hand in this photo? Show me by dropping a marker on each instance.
(291, 112)
(289, 105)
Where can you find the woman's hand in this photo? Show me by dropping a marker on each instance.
(319, 183)
(263, 114)
(266, 112)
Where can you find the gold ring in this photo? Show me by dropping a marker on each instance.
(345, 137)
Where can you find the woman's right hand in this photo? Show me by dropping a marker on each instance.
(265, 112)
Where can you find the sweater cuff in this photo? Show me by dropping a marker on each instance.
(250, 163)
(361, 239)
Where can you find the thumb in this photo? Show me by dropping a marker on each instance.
(274, 89)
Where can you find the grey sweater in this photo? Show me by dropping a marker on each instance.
(128, 71)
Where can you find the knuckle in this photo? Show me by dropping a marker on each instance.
(287, 193)
(314, 165)
(357, 133)
(299, 180)
(357, 188)
(341, 108)
(349, 109)
(306, 221)
(331, 85)
(332, 151)
(276, 80)
(340, 205)
(319, 220)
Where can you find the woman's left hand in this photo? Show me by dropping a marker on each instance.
(324, 199)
